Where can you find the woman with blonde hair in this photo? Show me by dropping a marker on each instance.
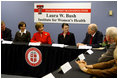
(41, 36)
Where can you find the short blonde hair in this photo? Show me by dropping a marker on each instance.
(112, 33)
(39, 25)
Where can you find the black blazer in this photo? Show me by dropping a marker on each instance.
(24, 38)
(68, 40)
(98, 38)
(6, 35)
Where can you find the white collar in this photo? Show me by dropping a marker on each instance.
(93, 34)
(23, 32)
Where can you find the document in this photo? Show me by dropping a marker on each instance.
(101, 48)
(58, 45)
(34, 44)
(85, 47)
(7, 42)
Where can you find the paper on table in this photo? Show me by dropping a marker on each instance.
(34, 44)
(81, 57)
(66, 45)
(58, 45)
(85, 47)
(90, 51)
(66, 67)
(101, 48)
(50, 75)
(7, 42)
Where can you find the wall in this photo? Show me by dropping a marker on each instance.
(12, 12)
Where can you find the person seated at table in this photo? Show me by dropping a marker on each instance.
(102, 70)
(93, 37)
(22, 35)
(41, 36)
(5, 32)
(66, 37)
(111, 37)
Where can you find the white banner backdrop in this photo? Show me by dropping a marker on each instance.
(79, 13)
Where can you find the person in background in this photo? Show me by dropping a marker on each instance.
(5, 32)
(41, 36)
(111, 37)
(66, 37)
(22, 35)
(102, 70)
(93, 37)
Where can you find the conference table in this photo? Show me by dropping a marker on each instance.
(13, 60)
(75, 72)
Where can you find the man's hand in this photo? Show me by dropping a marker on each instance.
(82, 65)
(79, 44)
(89, 66)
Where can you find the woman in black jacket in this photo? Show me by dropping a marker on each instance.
(22, 35)
(66, 37)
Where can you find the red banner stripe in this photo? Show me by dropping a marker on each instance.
(64, 10)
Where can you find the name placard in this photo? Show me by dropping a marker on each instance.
(66, 67)
(90, 52)
(81, 57)
(50, 75)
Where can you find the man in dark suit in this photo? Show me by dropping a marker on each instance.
(93, 37)
(5, 32)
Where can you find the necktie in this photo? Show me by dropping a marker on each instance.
(91, 40)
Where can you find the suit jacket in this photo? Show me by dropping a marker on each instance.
(98, 38)
(24, 38)
(45, 38)
(108, 55)
(68, 40)
(6, 35)
(104, 69)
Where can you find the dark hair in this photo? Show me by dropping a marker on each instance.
(38, 25)
(21, 24)
(2, 22)
(64, 25)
